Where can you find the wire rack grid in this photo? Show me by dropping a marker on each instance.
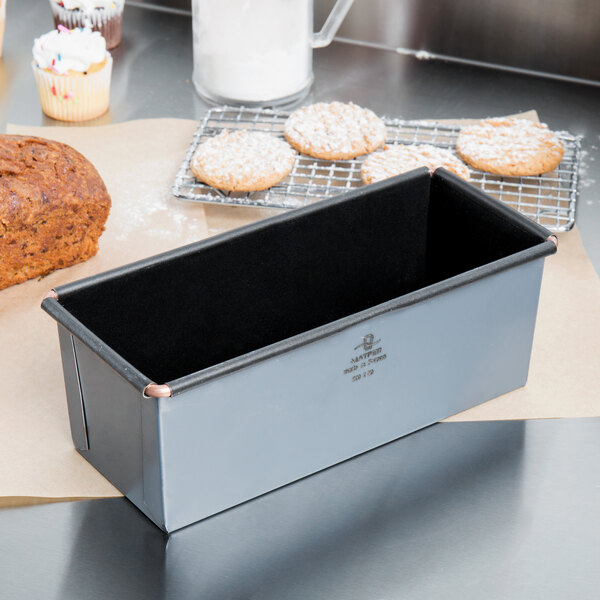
(549, 199)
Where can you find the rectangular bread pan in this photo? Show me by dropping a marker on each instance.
(209, 375)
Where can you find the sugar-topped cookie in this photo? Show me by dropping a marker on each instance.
(335, 131)
(242, 161)
(510, 147)
(402, 158)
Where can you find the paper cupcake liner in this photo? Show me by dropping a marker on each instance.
(74, 97)
(107, 21)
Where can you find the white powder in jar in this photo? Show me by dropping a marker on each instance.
(252, 50)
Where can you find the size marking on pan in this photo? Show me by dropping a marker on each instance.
(368, 356)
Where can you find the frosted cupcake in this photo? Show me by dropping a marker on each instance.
(72, 70)
(105, 16)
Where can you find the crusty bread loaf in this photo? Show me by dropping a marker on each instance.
(53, 207)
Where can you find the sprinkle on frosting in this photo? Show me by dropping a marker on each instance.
(64, 50)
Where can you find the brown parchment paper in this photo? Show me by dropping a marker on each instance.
(138, 161)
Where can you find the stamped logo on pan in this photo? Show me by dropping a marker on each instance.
(368, 355)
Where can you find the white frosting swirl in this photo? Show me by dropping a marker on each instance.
(89, 5)
(69, 50)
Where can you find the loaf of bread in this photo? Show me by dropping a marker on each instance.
(53, 207)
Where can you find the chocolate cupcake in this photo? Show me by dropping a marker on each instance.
(105, 16)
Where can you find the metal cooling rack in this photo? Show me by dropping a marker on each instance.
(548, 199)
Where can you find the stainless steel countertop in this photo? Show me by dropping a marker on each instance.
(506, 510)
(458, 510)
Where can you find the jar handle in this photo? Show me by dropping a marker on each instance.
(332, 24)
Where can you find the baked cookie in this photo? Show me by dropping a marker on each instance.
(242, 161)
(510, 147)
(402, 158)
(334, 131)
